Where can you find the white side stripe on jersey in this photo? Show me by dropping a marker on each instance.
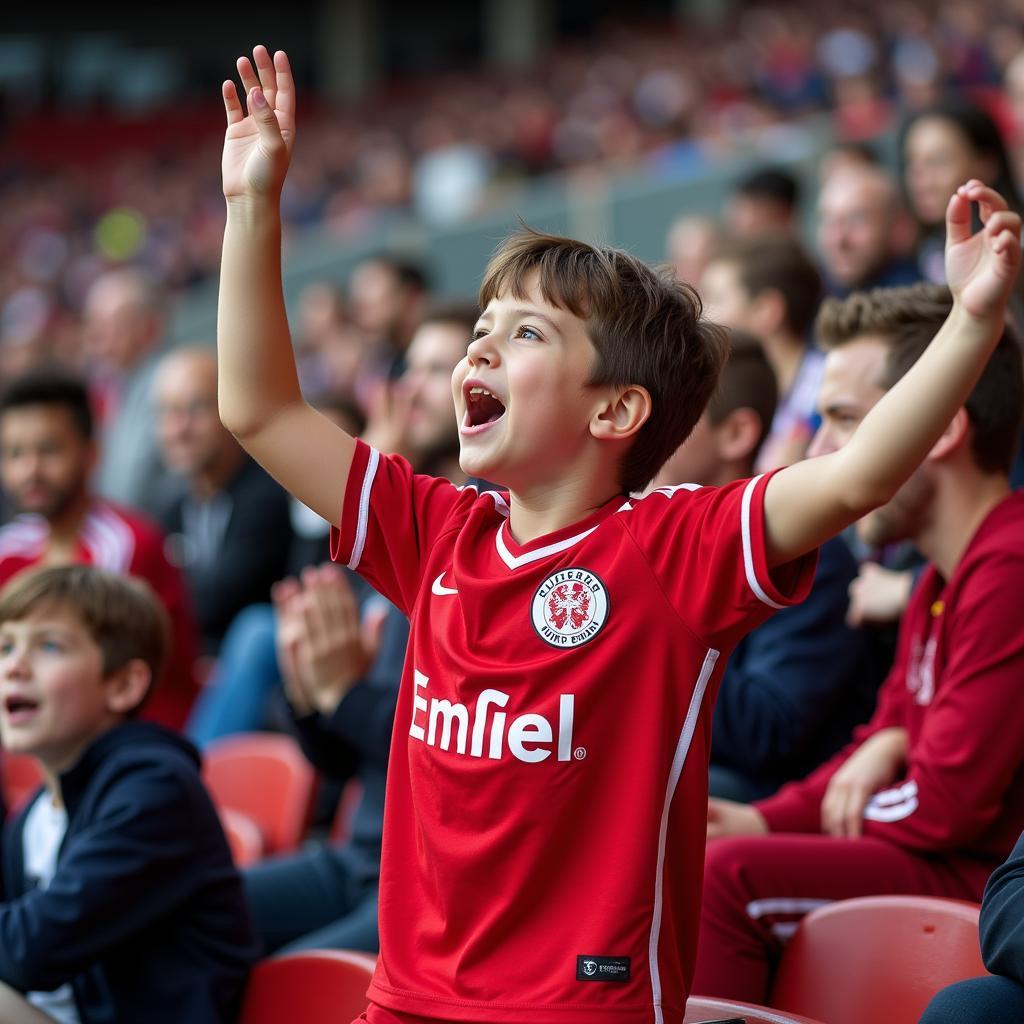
(893, 804)
(515, 561)
(364, 509)
(748, 556)
(678, 761)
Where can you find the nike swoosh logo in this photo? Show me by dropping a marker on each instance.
(440, 589)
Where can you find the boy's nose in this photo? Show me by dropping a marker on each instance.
(481, 351)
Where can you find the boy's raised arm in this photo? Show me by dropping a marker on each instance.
(812, 500)
(258, 389)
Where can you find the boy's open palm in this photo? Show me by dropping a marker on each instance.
(981, 267)
(258, 144)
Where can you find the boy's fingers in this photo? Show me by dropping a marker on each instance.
(285, 84)
(266, 121)
(232, 104)
(958, 218)
(988, 198)
(247, 75)
(266, 72)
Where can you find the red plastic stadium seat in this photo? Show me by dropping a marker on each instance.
(877, 958)
(243, 835)
(266, 777)
(314, 987)
(21, 776)
(702, 1008)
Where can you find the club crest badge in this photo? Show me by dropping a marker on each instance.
(570, 608)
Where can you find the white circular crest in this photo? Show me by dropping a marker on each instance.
(570, 608)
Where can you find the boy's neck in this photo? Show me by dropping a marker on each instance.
(538, 513)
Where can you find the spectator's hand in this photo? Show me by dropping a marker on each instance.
(323, 647)
(874, 764)
(982, 267)
(729, 818)
(878, 595)
(258, 145)
(387, 422)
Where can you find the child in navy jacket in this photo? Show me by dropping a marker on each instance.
(120, 900)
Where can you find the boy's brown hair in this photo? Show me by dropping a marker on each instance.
(906, 319)
(121, 614)
(780, 264)
(646, 326)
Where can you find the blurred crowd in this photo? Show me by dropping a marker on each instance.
(665, 98)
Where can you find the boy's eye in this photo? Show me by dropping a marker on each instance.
(6, 646)
(51, 646)
(529, 333)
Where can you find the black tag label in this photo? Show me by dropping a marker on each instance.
(602, 968)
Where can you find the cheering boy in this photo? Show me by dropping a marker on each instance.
(545, 808)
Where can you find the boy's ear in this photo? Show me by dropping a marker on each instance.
(127, 687)
(623, 414)
(952, 438)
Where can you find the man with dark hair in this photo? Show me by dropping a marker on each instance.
(771, 288)
(763, 203)
(47, 454)
(789, 697)
(929, 797)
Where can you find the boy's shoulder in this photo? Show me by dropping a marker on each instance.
(136, 763)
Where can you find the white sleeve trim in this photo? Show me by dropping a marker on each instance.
(364, 509)
(748, 554)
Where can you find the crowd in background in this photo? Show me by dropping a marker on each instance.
(664, 98)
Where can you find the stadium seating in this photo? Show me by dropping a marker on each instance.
(314, 987)
(243, 835)
(877, 958)
(21, 777)
(701, 1008)
(267, 778)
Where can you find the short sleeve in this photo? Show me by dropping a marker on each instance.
(706, 546)
(390, 520)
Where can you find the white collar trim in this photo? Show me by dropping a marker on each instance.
(515, 561)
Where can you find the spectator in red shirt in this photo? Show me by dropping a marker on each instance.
(47, 453)
(929, 798)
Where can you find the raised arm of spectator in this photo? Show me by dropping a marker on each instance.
(259, 397)
(812, 500)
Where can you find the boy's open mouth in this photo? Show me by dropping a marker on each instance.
(482, 408)
(18, 709)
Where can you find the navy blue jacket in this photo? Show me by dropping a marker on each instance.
(791, 692)
(1002, 917)
(145, 914)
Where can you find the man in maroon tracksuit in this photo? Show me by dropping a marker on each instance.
(929, 798)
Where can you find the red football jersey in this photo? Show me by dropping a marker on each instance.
(546, 801)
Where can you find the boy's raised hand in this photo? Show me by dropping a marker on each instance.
(258, 145)
(981, 267)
